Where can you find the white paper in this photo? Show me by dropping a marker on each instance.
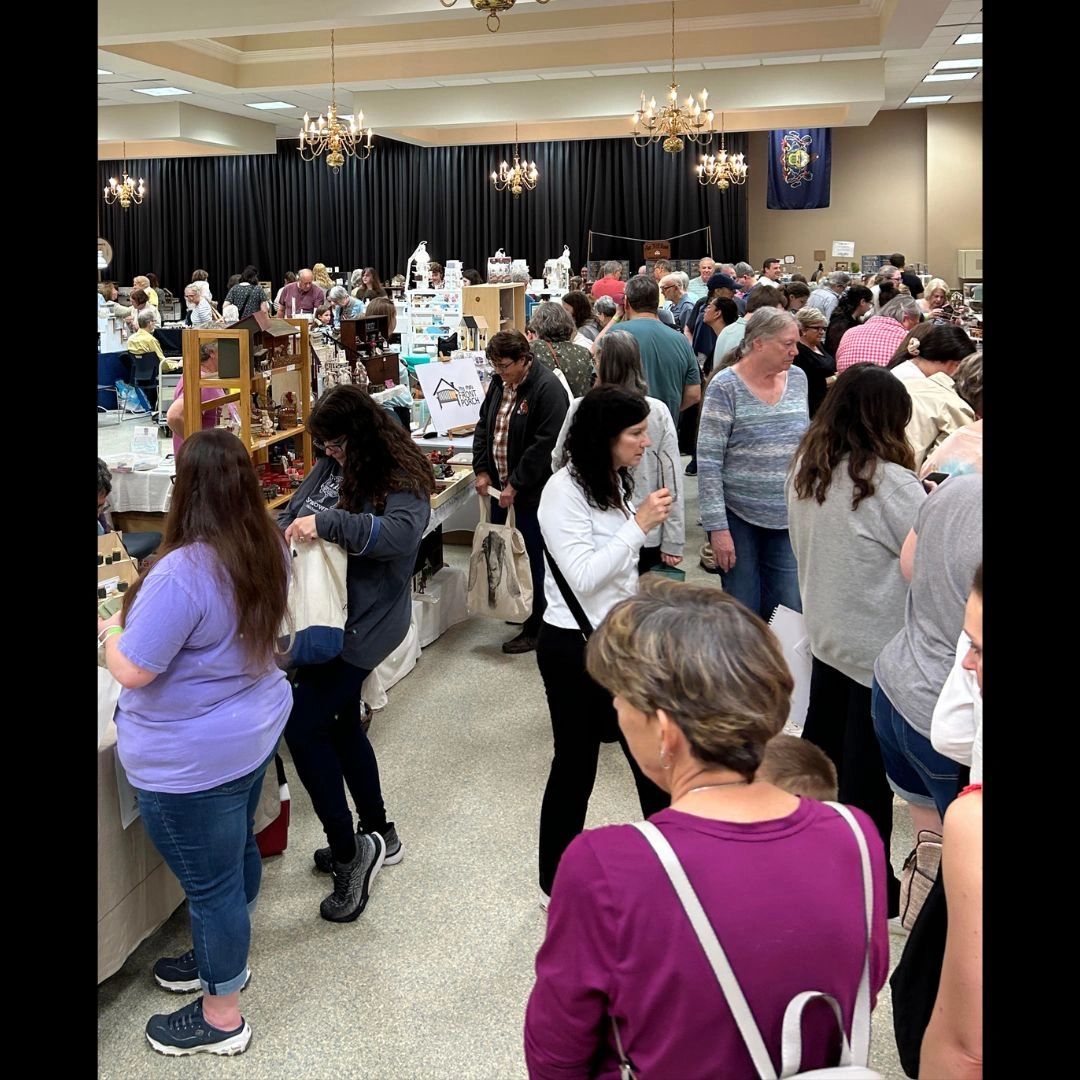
(790, 627)
(144, 440)
(129, 801)
(452, 391)
(843, 249)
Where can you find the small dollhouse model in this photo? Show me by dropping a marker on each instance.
(472, 333)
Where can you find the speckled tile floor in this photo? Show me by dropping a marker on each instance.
(431, 981)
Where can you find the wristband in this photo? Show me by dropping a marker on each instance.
(109, 631)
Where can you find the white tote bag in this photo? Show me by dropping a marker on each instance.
(500, 577)
(790, 627)
(314, 627)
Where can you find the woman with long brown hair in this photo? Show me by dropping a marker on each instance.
(369, 492)
(199, 719)
(852, 497)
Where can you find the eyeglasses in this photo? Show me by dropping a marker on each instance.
(330, 444)
(495, 366)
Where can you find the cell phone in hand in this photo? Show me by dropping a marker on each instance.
(936, 477)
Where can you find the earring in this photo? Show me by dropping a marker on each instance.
(664, 764)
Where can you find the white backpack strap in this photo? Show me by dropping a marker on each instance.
(860, 1024)
(740, 1010)
(791, 1036)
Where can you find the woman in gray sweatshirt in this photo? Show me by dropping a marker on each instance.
(852, 497)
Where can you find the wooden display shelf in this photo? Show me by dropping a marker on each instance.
(503, 305)
(461, 479)
(278, 436)
(214, 403)
(281, 500)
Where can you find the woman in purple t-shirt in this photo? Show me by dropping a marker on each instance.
(199, 719)
(700, 686)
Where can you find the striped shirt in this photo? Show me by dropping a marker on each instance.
(744, 449)
(874, 342)
(500, 439)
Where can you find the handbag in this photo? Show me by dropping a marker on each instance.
(313, 630)
(500, 576)
(918, 876)
(853, 1055)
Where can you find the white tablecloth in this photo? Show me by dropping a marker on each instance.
(141, 492)
(444, 606)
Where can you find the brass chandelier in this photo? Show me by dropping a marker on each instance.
(722, 169)
(329, 133)
(492, 7)
(674, 123)
(125, 192)
(519, 177)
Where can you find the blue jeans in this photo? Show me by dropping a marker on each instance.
(916, 771)
(207, 839)
(528, 524)
(765, 573)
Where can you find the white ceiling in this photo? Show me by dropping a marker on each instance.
(120, 25)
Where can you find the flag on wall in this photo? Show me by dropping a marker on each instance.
(800, 166)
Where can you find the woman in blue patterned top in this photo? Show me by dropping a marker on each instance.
(752, 419)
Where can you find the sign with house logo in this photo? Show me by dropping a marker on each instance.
(452, 391)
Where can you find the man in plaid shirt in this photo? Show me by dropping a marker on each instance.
(877, 339)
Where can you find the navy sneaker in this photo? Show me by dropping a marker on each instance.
(395, 850)
(181, 974)
(186, 1031)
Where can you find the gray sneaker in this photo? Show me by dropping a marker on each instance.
(352, 880)
(395, 850)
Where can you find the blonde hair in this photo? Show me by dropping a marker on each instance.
(936, 283)
(799, 768)
(808, 317)
(140, 282)
(321, 277)
(711, 664)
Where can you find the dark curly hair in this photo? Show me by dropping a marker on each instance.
(604, 414)
(862, 419)
(509, 346)
(381, 456)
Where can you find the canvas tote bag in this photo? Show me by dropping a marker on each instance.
(500, 577)
(314, 627)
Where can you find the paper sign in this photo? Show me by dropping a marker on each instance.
(452, 392)
(819, 254)
(843, 249)
(789, 258)
(144, 440)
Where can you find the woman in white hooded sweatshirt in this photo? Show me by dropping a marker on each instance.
(618, 363)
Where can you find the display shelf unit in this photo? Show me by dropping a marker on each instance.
(503, 305)
(429, 315)
(241, 389)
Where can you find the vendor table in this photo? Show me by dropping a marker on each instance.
(146, 492)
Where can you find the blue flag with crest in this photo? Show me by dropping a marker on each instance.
(800, 167)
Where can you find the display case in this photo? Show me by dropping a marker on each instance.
(429, 315)
(502, 306)
(365, 339)
(284, 369)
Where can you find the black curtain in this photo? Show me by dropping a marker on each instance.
(281, 213)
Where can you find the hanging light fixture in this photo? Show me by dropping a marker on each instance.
(492, 7)
(125, 192)
(519, 177)
(674, 123)
(722, 169)
(329, 133)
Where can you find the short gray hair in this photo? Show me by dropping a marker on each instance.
(807, 317)
(619, 362)
(968, 380)
(604, 305)
(839, 279)
(355, 278)
(742, 268)
(338, 292)
(727, 268)
(148, 316)
(899, 306)
(552, 322)
(642, 293)
(610, 268)
(677, 277)
(765, 323)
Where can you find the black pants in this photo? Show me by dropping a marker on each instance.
(331, 749)
(582, 717)
(529, 526)
(839, 720)
(649, 557)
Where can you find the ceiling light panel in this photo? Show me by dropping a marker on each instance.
(160, 91)
(951, 77)
(269, 105)
(969, 39)
(938, 100)
(957, 65)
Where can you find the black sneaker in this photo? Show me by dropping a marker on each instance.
(691, 469)
(523, 643)
(395, 850)
(181, 974)
(352, 880)
(186, 1032)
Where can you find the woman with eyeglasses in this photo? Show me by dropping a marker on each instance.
(594, 526)
(817, 365)
(369, 493)
(619, 364)
(199, 719)
(515, 435)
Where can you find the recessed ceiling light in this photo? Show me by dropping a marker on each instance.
(269, 105)
(928, 100)
(957, 65)
(953, 77)
(102, 71)
(160, 91)
(969, 39)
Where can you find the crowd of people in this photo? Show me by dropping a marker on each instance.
(836, 433)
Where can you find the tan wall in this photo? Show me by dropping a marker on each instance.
(878, 196)
(954, 148)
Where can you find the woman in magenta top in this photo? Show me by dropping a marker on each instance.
(700, 686)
